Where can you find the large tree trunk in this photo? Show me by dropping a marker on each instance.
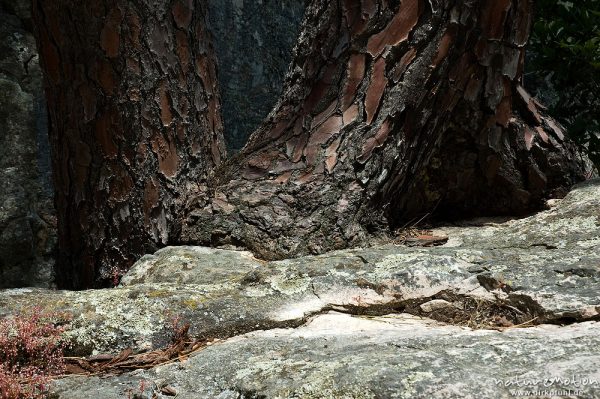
(134, 111)
(391, 109)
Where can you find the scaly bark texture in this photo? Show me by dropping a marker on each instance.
(134, 110)
(391, 109)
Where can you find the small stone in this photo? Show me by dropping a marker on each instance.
(168, 391)
(552, 203)
(436, 304)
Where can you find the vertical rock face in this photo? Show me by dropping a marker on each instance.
(253, 41)
(27, 221)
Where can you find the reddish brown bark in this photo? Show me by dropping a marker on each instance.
(392, 109)
(133, 103)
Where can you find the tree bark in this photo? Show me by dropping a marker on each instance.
(134, 110)
(391, 110)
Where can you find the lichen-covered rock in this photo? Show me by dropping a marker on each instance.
(191, 265)
(486, 278)
(342, 356)
(223, 293)
(572, 223)
(27, 221)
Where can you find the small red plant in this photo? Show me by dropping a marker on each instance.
(179, 330)
(31, 351)
(113, 275)
(140, 394)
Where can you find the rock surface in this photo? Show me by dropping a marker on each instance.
(386, 321)
(341, 356)
(27, 221)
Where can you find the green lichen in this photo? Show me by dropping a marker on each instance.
(290, 284)
(159, 294)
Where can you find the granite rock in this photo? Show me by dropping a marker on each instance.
(337, 355)
(520, 303)
(27, 220)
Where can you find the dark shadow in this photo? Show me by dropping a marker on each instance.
(253, 40)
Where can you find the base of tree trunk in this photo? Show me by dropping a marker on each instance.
(390, 113)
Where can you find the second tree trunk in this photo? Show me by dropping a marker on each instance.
(134, 111)
(391, 110)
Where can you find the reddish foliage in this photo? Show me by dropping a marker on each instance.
(31, 351)
(179, 329)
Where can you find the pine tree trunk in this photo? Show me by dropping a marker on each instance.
(134, 111)
(391, 109)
